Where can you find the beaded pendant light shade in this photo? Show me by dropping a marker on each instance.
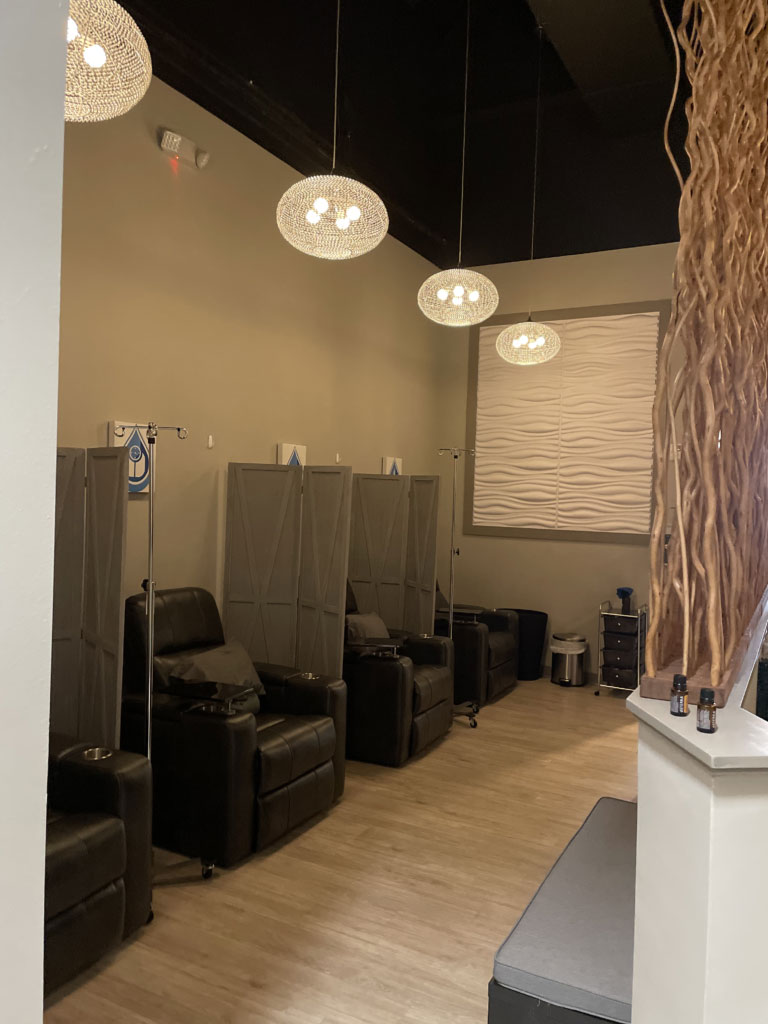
(530, 343)
(108, 64)
(459, 297)
(330, 216)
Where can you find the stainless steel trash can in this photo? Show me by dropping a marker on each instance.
(568, 650)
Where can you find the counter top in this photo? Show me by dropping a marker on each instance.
(741, 740)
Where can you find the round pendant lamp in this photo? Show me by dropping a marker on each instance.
(330, 216)
(333, 217)
(459, 297)
(108, 63)
(530, 342)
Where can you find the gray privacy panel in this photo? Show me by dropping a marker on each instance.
(68, 590)
(261, 569)
(325, 528)
(421, 555)
(378, 544)
(106, 499)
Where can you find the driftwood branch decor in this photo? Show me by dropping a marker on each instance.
(712, 397)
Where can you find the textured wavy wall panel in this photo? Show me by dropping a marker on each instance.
(567, 445)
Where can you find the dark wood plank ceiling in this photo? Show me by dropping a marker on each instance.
(267, 69)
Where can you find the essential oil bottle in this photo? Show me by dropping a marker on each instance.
(706, 714)
(678, 701)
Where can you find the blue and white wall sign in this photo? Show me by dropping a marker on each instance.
(392, 465)
(135, 440)
(291, 454)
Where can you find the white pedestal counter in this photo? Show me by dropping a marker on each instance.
(701, 917)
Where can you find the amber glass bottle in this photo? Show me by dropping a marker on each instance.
(706, 715)
(678, 701)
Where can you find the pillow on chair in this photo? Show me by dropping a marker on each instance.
(365, 627)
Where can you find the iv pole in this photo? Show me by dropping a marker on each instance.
(456, 454)
(467, 710)
(148, 584)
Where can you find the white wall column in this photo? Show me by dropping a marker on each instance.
(701, 905)
(32, 73)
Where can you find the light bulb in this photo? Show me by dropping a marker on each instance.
(353, 213)
(313, 217)
(72, 30)
(516, 343)
(457, 300)
(540, 341)
(474, 296)
(95, 56)
(342, 223)
(321, 205)
(532, 344)
(523, 339)
(458, 290)
(442, 294)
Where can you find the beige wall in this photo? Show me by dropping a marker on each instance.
(182, 304)
(564, 578)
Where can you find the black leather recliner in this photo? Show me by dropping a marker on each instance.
(226, 784)
(399, 704)
(486, 650)
(98, 855)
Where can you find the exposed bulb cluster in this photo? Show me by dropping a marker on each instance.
(94, 55)
(532, 343)
(342, 217)
(459, 292)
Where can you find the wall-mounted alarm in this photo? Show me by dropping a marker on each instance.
(183, 149)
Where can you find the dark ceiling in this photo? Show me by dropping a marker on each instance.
(608, 69)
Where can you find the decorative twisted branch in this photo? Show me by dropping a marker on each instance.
(714, 405)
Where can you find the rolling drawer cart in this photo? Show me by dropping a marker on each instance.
(621, 645)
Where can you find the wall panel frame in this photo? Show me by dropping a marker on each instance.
(662, 307)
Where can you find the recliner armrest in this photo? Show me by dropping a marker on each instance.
(120, 785)
(432, 650)
(502, 621)
(288, 693)
(203, 766)
(380, 708)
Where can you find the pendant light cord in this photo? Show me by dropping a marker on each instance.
(536, 143)
(464, 137)
(336, 85)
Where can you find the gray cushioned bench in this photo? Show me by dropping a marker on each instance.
(568, 960)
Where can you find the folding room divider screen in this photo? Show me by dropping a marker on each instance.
(393, 548)
(86, 659)
(287, 546)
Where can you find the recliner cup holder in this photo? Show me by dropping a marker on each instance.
(97, 753)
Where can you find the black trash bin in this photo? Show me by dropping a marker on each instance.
(533, 633)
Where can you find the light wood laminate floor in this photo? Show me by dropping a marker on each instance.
(389, 910)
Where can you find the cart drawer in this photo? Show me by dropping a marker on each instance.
(619, 642)
(620, 624)
(624, 677)
(620, 659)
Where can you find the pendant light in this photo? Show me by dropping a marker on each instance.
(108, 63)
(459, 297)
(328, 215)
(531, 342)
